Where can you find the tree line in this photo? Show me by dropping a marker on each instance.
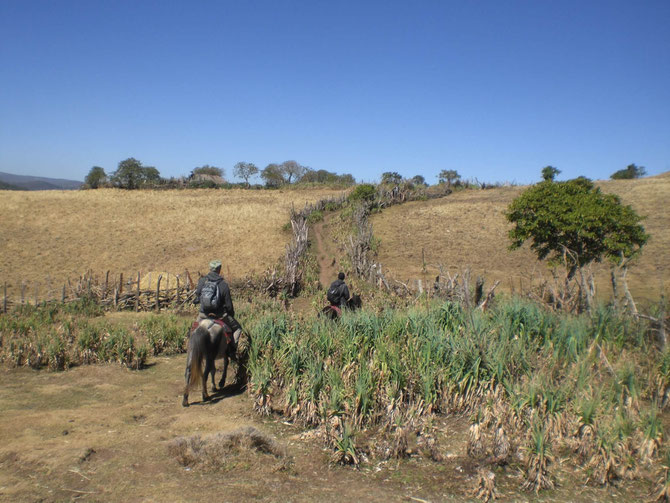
(132, 174)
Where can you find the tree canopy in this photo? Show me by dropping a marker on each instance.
(245, 170)
(574, 221)
(391, 177)
(632, 171)
(208, 170)
(132, 175)
(96, 177)
(549, 173)
(448, 176)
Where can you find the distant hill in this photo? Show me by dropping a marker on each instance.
(24, 182)
(9, 186)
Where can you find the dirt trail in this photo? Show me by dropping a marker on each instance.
(326, 250)
(101, 433)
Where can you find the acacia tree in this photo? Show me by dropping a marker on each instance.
(576, 223)
(245, 170)
(293, 171)
(96, 177)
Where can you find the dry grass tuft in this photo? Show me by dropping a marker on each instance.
(217, 451)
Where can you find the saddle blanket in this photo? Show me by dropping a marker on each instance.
(226, 328)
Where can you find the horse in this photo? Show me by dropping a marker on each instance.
(210, 340)
(334, 312)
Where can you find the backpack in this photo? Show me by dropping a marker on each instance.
(210, 297)
(333, 294)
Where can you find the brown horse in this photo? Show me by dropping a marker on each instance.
(210, 341)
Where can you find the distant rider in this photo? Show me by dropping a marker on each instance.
(213, 295)
(338, 292)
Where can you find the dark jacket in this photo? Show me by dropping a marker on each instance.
(224, 291)
(342, 292)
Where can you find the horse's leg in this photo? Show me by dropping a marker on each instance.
(208, 367)
(187, 375)
(224, 372)
(213, 372)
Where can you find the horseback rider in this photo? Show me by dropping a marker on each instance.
(213, 295)
(338, 292)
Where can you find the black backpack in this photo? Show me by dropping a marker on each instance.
(333, 294)
(210, 297)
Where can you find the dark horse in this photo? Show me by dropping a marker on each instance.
(209, 341)
(333, 312)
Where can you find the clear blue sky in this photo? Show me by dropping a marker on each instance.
(494, 89)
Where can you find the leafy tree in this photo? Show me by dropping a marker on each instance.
(418, 180)
(208, 170)
(245, 170)
(273, 175)
(574, 221)
(448, 176)
(293, 171)
(632, 171)
(131, 174)
(549, 173)
(96, 177)
(391, 177)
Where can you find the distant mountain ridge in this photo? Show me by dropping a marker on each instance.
(26, 182)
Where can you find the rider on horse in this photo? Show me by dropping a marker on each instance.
(213, 295)
(338, 292)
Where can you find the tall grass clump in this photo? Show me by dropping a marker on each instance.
(535, 379)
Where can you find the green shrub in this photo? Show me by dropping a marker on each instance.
(363, 192)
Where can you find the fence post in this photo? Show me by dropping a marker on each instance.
(4, 302)
(137, 299)
(158, 291)
(23, 293)
(120, 283)
(36, 295)
(62, 297)
(104, 291)
(177, 289)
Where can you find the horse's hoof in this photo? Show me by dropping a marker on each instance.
(184, 403)
(205, 398)
(221, 384)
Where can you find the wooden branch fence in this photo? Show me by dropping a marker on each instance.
(112, 293)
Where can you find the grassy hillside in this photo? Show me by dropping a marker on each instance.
(59, 235)
(468, 229)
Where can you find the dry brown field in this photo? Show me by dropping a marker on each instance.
(48, 237)
(468, 230)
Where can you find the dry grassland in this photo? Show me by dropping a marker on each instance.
(59, 235)
(468, 229)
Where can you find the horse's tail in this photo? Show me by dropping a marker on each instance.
(197, 346)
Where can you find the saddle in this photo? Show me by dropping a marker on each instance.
(226, 330)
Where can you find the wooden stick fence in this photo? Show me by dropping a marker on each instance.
(115, 295)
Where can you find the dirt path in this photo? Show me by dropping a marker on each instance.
(101, 433)
(326, 250)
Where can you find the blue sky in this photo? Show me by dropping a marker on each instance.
(494, 89)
